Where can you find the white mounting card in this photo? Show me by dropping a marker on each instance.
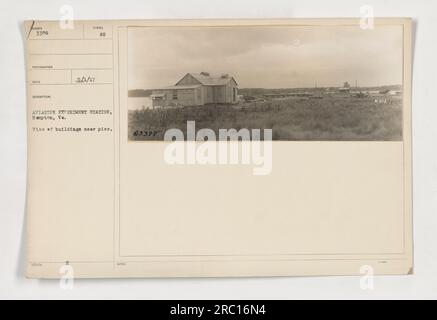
(219, 148)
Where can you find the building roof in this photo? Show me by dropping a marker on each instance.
(212, 80)
(181, 87)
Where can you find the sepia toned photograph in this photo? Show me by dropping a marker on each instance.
(305, 83)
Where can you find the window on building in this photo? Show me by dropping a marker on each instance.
(175, 95)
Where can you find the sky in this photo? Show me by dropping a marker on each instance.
(266, 57)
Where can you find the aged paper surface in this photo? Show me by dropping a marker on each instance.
(109, 197)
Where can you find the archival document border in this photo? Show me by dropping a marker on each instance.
(238, 265)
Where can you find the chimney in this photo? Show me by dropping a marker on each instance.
(204, 73)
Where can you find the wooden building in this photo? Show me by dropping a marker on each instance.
(197, 89)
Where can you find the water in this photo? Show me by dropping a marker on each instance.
(138, 103)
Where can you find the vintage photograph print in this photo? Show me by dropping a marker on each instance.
(305, 83)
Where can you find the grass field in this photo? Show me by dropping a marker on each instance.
(331, 118)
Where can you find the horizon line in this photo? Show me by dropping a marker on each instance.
(283, 88)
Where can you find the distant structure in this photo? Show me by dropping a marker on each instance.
(197, 89)
(346, 87)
